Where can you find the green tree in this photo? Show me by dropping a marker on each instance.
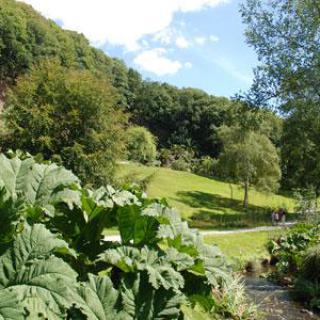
(249, 158)
(69, 115)
(141, 145)
(300, 149)
(285, 35)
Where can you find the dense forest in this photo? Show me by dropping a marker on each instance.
(185, 122)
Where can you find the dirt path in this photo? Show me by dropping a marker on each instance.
(257, 229)
(224, 232)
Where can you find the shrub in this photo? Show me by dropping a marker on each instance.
(307, 291)
(297, 255)
(177, 158)
(289, 250)
(181, 165)
(307, 204)
(307, 285)
(141, 145)
(310, 268)
(206, 166)
(67, 114)
(56, 263)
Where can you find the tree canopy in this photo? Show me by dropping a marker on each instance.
(69, 115)
(249, 158)
(189, 118)
(286, 37)
(141, 145)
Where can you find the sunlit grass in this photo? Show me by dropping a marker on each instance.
(246, 245)
(209, 202)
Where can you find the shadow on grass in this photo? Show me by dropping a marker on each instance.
(216, 212)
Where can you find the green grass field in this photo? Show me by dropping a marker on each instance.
(206, 203)
(245, 246)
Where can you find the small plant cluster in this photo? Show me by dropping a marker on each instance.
(55, 262)
(184, 159)
(307, 204)
(297, 260)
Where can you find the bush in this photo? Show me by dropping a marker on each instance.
(177, 158)
(206, 166)
(55, 260)
(307, 204)
(141, 145)
(310, 268)
(307, 285)
(181, 165)
(307, 291)
(297, 255)
(289, 250)
(66, 114)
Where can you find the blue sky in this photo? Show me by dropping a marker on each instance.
(188, 43)
(221, 67)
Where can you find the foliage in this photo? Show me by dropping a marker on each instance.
(289, 250)
(285, 36)
(141, 145)
(177, 157)
(42, 283)
(206, 166)
(306, 204)
(28, 38)
(300, 150)
(311, 263)
(308, 292)
(58, 265)
(307, 285)
(249, 158)
(66, 114)
(186, 117)
(297, 256)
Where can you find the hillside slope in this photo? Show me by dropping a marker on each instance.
(206, 202)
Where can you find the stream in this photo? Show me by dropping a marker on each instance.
(274, 301)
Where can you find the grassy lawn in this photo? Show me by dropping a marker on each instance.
(206, 203)
(245, 246)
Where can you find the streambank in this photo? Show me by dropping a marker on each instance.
(274, 301)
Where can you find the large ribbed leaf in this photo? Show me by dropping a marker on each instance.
(37, 184)
(9, 308)
(135, 227)
(159, 270)
(43, 284)
(141, 301)
(101, 299)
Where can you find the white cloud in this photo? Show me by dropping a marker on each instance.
(155, 61)
(182, 42)
(213, 38)
(165, 36)
(119, 22)
(188, 65)
(200, 40)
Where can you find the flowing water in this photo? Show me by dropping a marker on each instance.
(274, 301)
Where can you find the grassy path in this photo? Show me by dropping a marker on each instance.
(247, 230)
